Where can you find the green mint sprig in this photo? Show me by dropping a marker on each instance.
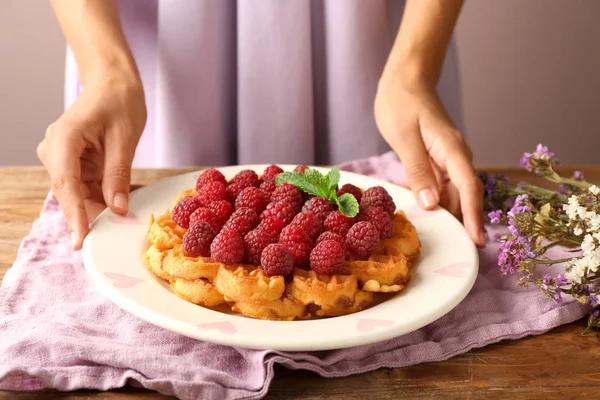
(315, 183)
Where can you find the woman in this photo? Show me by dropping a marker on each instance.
(225, 81)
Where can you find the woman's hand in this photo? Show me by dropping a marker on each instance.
(89, 150)
(413, 121)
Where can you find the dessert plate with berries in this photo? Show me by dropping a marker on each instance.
(281, 257)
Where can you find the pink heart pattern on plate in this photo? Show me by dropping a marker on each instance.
(129, 219)
(122, 281)
(367, 325)
(224, 327)
(456, 270)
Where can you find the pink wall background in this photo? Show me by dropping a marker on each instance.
(529, 72)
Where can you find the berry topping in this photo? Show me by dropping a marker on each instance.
(251, 197)
(234, 190)
(268, 187)
(310, 223)
(380, 219)
(377, 196)
(362, 239)
(271, 172)
(205, 215)
(298, 243)
(222, 209)
(255, 242)
(301, 168)
(288, 193)
(353, 190)
(243, 220)
(328, 235)
(183, 210)
(227, 247)
(197, 239)
(213, 191)
(319, 206)
(327, 258)
(246, 178)
(272, 225)
(338, 223)
(276, 259)
(208, 176)
(281, 210)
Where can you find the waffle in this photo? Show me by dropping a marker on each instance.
(245, 289)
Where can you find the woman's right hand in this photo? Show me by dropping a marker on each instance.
(89, 150)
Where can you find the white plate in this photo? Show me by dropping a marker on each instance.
(442, 277)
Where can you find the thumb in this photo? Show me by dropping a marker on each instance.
(118, 158)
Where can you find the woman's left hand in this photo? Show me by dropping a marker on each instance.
(438, 162)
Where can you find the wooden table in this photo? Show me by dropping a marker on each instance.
(560, 363)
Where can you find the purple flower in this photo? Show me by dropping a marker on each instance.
(596, 313)
(593, 299)
(546, 281)
(562, 188)
(511, 253)
(561, 280)
(489, 185)
(525, 161)
(579, 175)
(495, 216)
(542, 151)
(557, 296)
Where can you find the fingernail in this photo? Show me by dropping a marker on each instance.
(120, 200)
(73, 239)
(428, 198)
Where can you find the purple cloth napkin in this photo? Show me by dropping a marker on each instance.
(57, 331)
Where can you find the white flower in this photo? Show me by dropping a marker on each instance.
(572, 207)
(594, 189)
(577, 270)
(578, 231)
(588, 244)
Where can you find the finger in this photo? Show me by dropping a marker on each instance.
(470, 189)
(419, 172)
(117, 171)
(63, 153)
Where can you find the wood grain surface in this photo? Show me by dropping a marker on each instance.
(558, 364)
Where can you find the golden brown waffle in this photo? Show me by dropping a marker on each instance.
(362, 282)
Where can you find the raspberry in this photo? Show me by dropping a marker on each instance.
(227, 247)
(337, 222)
(234, 190)
(301, 168)
(197, 239)
(243, 220)
(281, 210)
(183, 210)
(353, 190)
(268, 187)
(253, 198)
(377, 196)
(327, 258)
(298, 243)
(208, 176)
(272, 225)
(380, 219)
(328, 235)
(362, 239)
(222, 209)
(206, 215)
(246, 178)
(318, 206)
(213, 191)
(310, 223)
(255, 242)
(271, 172)
(288, 193)
(276, 259)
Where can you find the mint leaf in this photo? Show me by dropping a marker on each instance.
(299, 180)
(333, 178)
(347, 205)
(319, 180)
